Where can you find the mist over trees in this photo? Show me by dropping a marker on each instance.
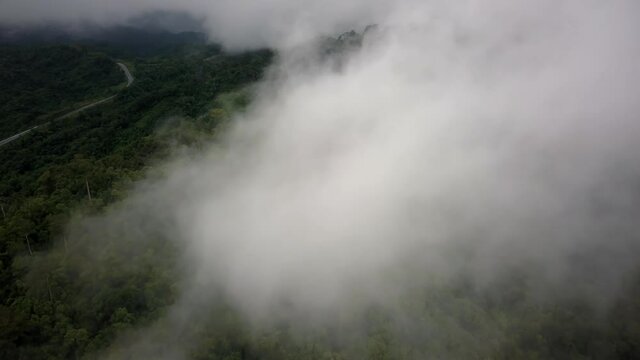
(456, 181)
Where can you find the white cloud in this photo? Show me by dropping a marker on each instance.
(500, 126)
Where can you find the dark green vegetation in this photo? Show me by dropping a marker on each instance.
(45, 176)
(40, 83)
(66, 298)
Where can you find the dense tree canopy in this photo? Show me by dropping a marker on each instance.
(47, 176)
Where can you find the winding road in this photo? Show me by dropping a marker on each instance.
(127, 73)
(130, 80)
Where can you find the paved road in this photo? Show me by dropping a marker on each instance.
(130, 77)
(11, 138)
(130, 80)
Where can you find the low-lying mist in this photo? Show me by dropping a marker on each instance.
(476, 138)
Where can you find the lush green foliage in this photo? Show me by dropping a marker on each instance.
(40, 83)
(48, 309)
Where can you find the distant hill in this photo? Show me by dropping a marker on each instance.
(116, 40)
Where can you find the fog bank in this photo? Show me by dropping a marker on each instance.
(502, 129)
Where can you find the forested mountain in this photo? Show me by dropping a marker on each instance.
(88, 297)
(47, 177)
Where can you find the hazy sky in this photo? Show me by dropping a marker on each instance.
(238, 24)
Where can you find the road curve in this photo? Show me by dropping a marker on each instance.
(127, 73)
(130, 80)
